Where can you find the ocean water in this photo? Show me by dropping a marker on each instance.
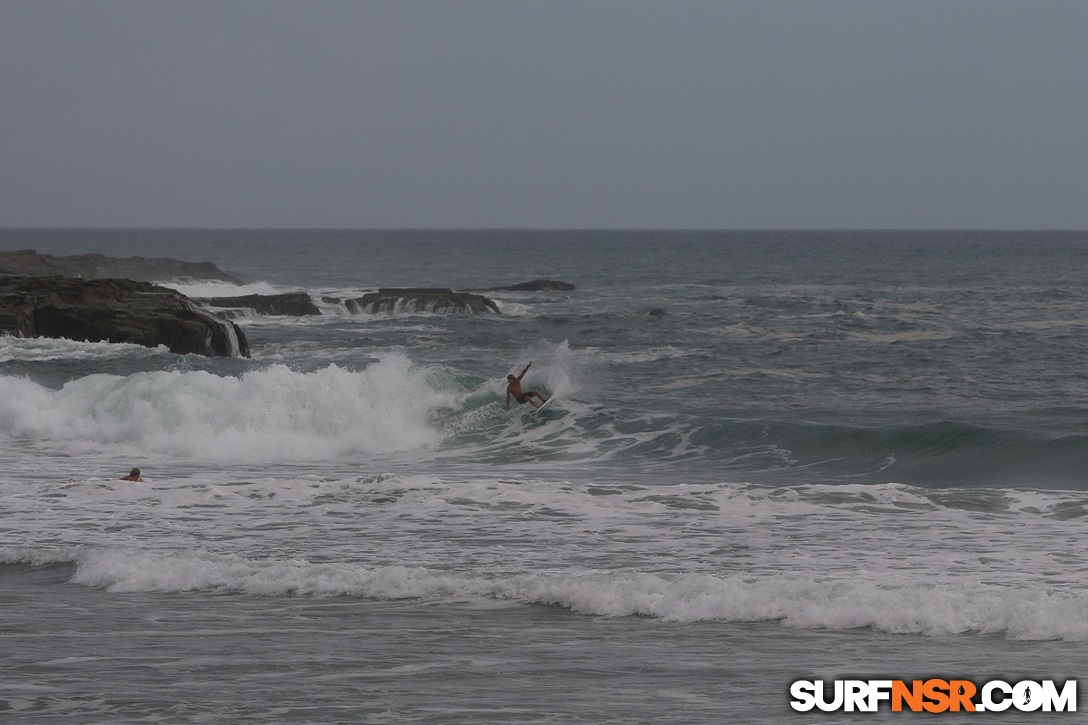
(772, 456)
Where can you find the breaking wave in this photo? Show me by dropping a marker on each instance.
(274, 414)
(794, 600)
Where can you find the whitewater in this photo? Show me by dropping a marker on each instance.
(773, 456)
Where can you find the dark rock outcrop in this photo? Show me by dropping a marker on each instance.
(28, 263)
(536, 285)
(420, 299)
(350, 305)
(114, 310)
(289, 303)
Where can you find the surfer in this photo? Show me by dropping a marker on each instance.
(513, 388)
(133, 475)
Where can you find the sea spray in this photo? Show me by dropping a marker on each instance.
(558, 368)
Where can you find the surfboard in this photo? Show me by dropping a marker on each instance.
(544, 405)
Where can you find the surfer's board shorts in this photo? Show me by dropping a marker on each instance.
(524, 397)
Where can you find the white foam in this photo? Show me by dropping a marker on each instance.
(40, 349)
(269, 415)
(38, 557)
(234, 347)
(818, 556)
(793, 599)
(213, 288)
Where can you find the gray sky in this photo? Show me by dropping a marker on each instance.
(550, 113)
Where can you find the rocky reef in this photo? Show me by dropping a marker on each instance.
(28, 263)
(114, 310)
(95, 298)
(295, 304)
(439, 300)
(418, 299)
(536, 285)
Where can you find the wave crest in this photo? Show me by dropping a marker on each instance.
(794, 600)
(270, 415)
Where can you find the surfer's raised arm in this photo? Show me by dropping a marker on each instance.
(525, 371)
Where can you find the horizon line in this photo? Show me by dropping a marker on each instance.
(539, 229)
